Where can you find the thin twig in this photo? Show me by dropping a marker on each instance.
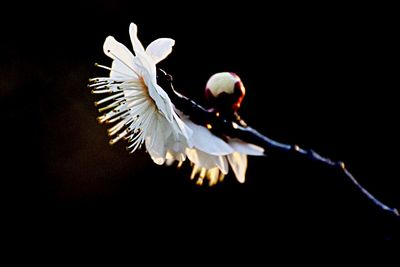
(269, 144)
(222, 126)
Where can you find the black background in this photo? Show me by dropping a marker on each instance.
(318, 76)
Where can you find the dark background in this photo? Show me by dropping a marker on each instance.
(318, 76)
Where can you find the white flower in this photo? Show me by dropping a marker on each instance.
(139, 108)
(210, 155)
(141, 112)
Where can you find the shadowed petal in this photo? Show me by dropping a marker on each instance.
(246, 148)
(205, 141)
(238, 164)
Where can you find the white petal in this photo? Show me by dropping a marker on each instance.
(123, 66)
(161, 98)
(164, 142)
(184, 129)
(238, 163)
(149, 72)
(160, 49)
(172, 156)
(246, 148)
(205, 141)
(136, 44)
(155, 142)
(146, 64)
(176, 144)
(201, 159)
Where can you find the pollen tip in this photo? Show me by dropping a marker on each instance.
(111, 142)
(199, 181)
(96, 64)
(96, 104)
(179, 164)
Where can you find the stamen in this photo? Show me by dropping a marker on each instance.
(101, 119)
(203, 173)
(123, 62)
(113, 141)
(112, 105)
(108, 98)
(212, 176)
(200, 181)
(179, 164)
(101, 91)
(136, 143)
(105, 79)
(113, 130)
(194, 172)
(97, 84)
(111, 69)
(118, 117)
(221, 177)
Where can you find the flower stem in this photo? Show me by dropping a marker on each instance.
(269, 144)
(222, 126)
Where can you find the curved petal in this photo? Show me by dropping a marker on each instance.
(143, 61)
(122, 66)
(136, 44)
(160, 97)
(156, 140)
(207, 142)
(246, 148)
(238, 163)
(201, 159)
(186, 131)
(160, 49)
(148, 67)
